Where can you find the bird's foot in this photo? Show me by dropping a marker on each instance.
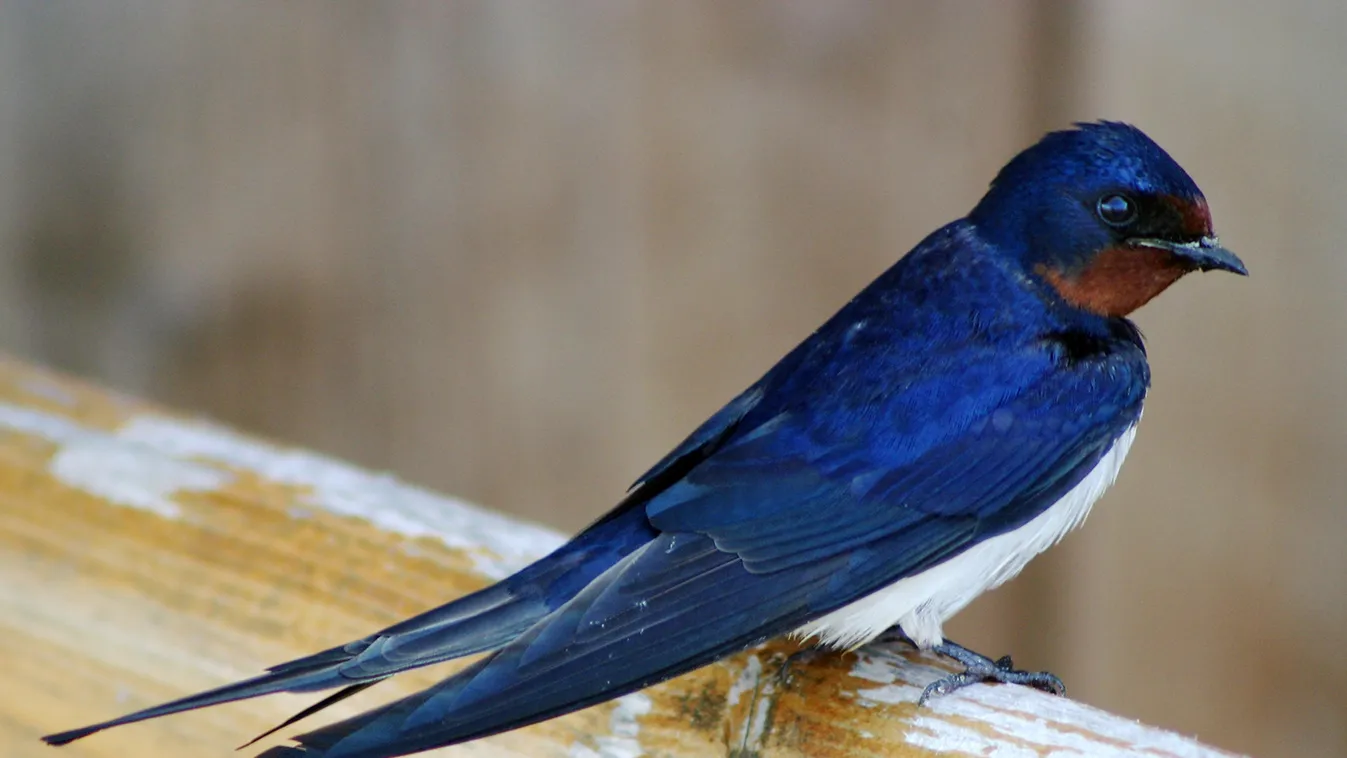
(785, 674)
(891, 635)
(980, 668)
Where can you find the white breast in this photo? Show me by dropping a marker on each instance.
(920, 604)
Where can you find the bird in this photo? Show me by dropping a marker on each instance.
(957, 417)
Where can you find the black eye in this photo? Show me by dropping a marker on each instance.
(1116, 210)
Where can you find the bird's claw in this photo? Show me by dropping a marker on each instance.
(979, 668)
(785, 674)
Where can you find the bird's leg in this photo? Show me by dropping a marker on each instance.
(786, 671)
(980, 668)
(894, 633)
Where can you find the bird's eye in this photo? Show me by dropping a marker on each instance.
(1116, 210)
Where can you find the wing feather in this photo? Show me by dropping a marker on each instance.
(722, 576)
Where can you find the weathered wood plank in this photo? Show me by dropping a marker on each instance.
(144, 555)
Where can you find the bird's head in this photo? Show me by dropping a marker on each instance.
(1102, 215)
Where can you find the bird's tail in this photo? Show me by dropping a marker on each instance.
(265, 684)
(673, 606)
(483, 621)
(369, 727)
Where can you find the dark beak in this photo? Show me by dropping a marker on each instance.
(1206, 254)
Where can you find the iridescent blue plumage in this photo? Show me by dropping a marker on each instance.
(958, 400)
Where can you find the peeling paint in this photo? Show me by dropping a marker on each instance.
(142, 464)
(1007, 721)
(943, 736)
(130, 477)
(624, 728)
(759, 723)
(93, 461)
(755, 718)
(48, 426)
(747, 681)
(498, 545)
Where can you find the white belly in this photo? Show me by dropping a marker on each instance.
(920, 604)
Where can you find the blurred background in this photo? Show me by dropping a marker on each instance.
(515, 250)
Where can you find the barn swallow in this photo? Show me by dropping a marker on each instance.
(954, 419)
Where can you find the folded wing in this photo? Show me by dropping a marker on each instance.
(775, 528)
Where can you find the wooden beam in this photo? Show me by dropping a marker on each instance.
(144, 556)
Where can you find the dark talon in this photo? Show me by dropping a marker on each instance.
(980, 668)
(785, 674)
(891, 635)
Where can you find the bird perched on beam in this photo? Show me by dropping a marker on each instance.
(956, 418)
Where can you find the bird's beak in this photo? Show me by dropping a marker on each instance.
(1206, 253)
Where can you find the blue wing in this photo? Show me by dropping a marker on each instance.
(787, 493)
(484, 620)
(788, 516)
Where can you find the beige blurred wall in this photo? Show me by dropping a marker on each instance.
(516, 249)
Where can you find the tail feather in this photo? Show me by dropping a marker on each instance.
(483, 621)
(330, 700)
(364, 731)
(671, 607)
(266, 684)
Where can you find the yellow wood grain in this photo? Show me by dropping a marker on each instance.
(113, 600)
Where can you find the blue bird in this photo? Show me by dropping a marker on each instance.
(953, 420)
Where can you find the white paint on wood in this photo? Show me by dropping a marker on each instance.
(624, 729)
(132, 477)
(747, 681)
(1023, 721)
(47, 426)
(754, 733)
(93, 461)
(498, 545)
(150, 458)
(754, 720)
